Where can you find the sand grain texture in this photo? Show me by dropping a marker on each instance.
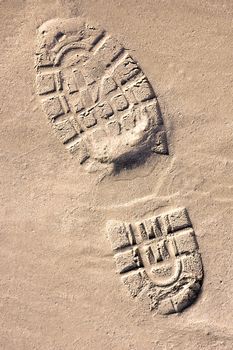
(59, 288)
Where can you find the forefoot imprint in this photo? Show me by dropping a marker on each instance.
(96, 97)
(158, 260)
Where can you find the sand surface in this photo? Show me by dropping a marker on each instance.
(59, 288)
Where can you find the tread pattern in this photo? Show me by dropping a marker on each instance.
(158, 260)
(96, 97)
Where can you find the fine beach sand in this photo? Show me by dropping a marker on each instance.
(59, 288)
